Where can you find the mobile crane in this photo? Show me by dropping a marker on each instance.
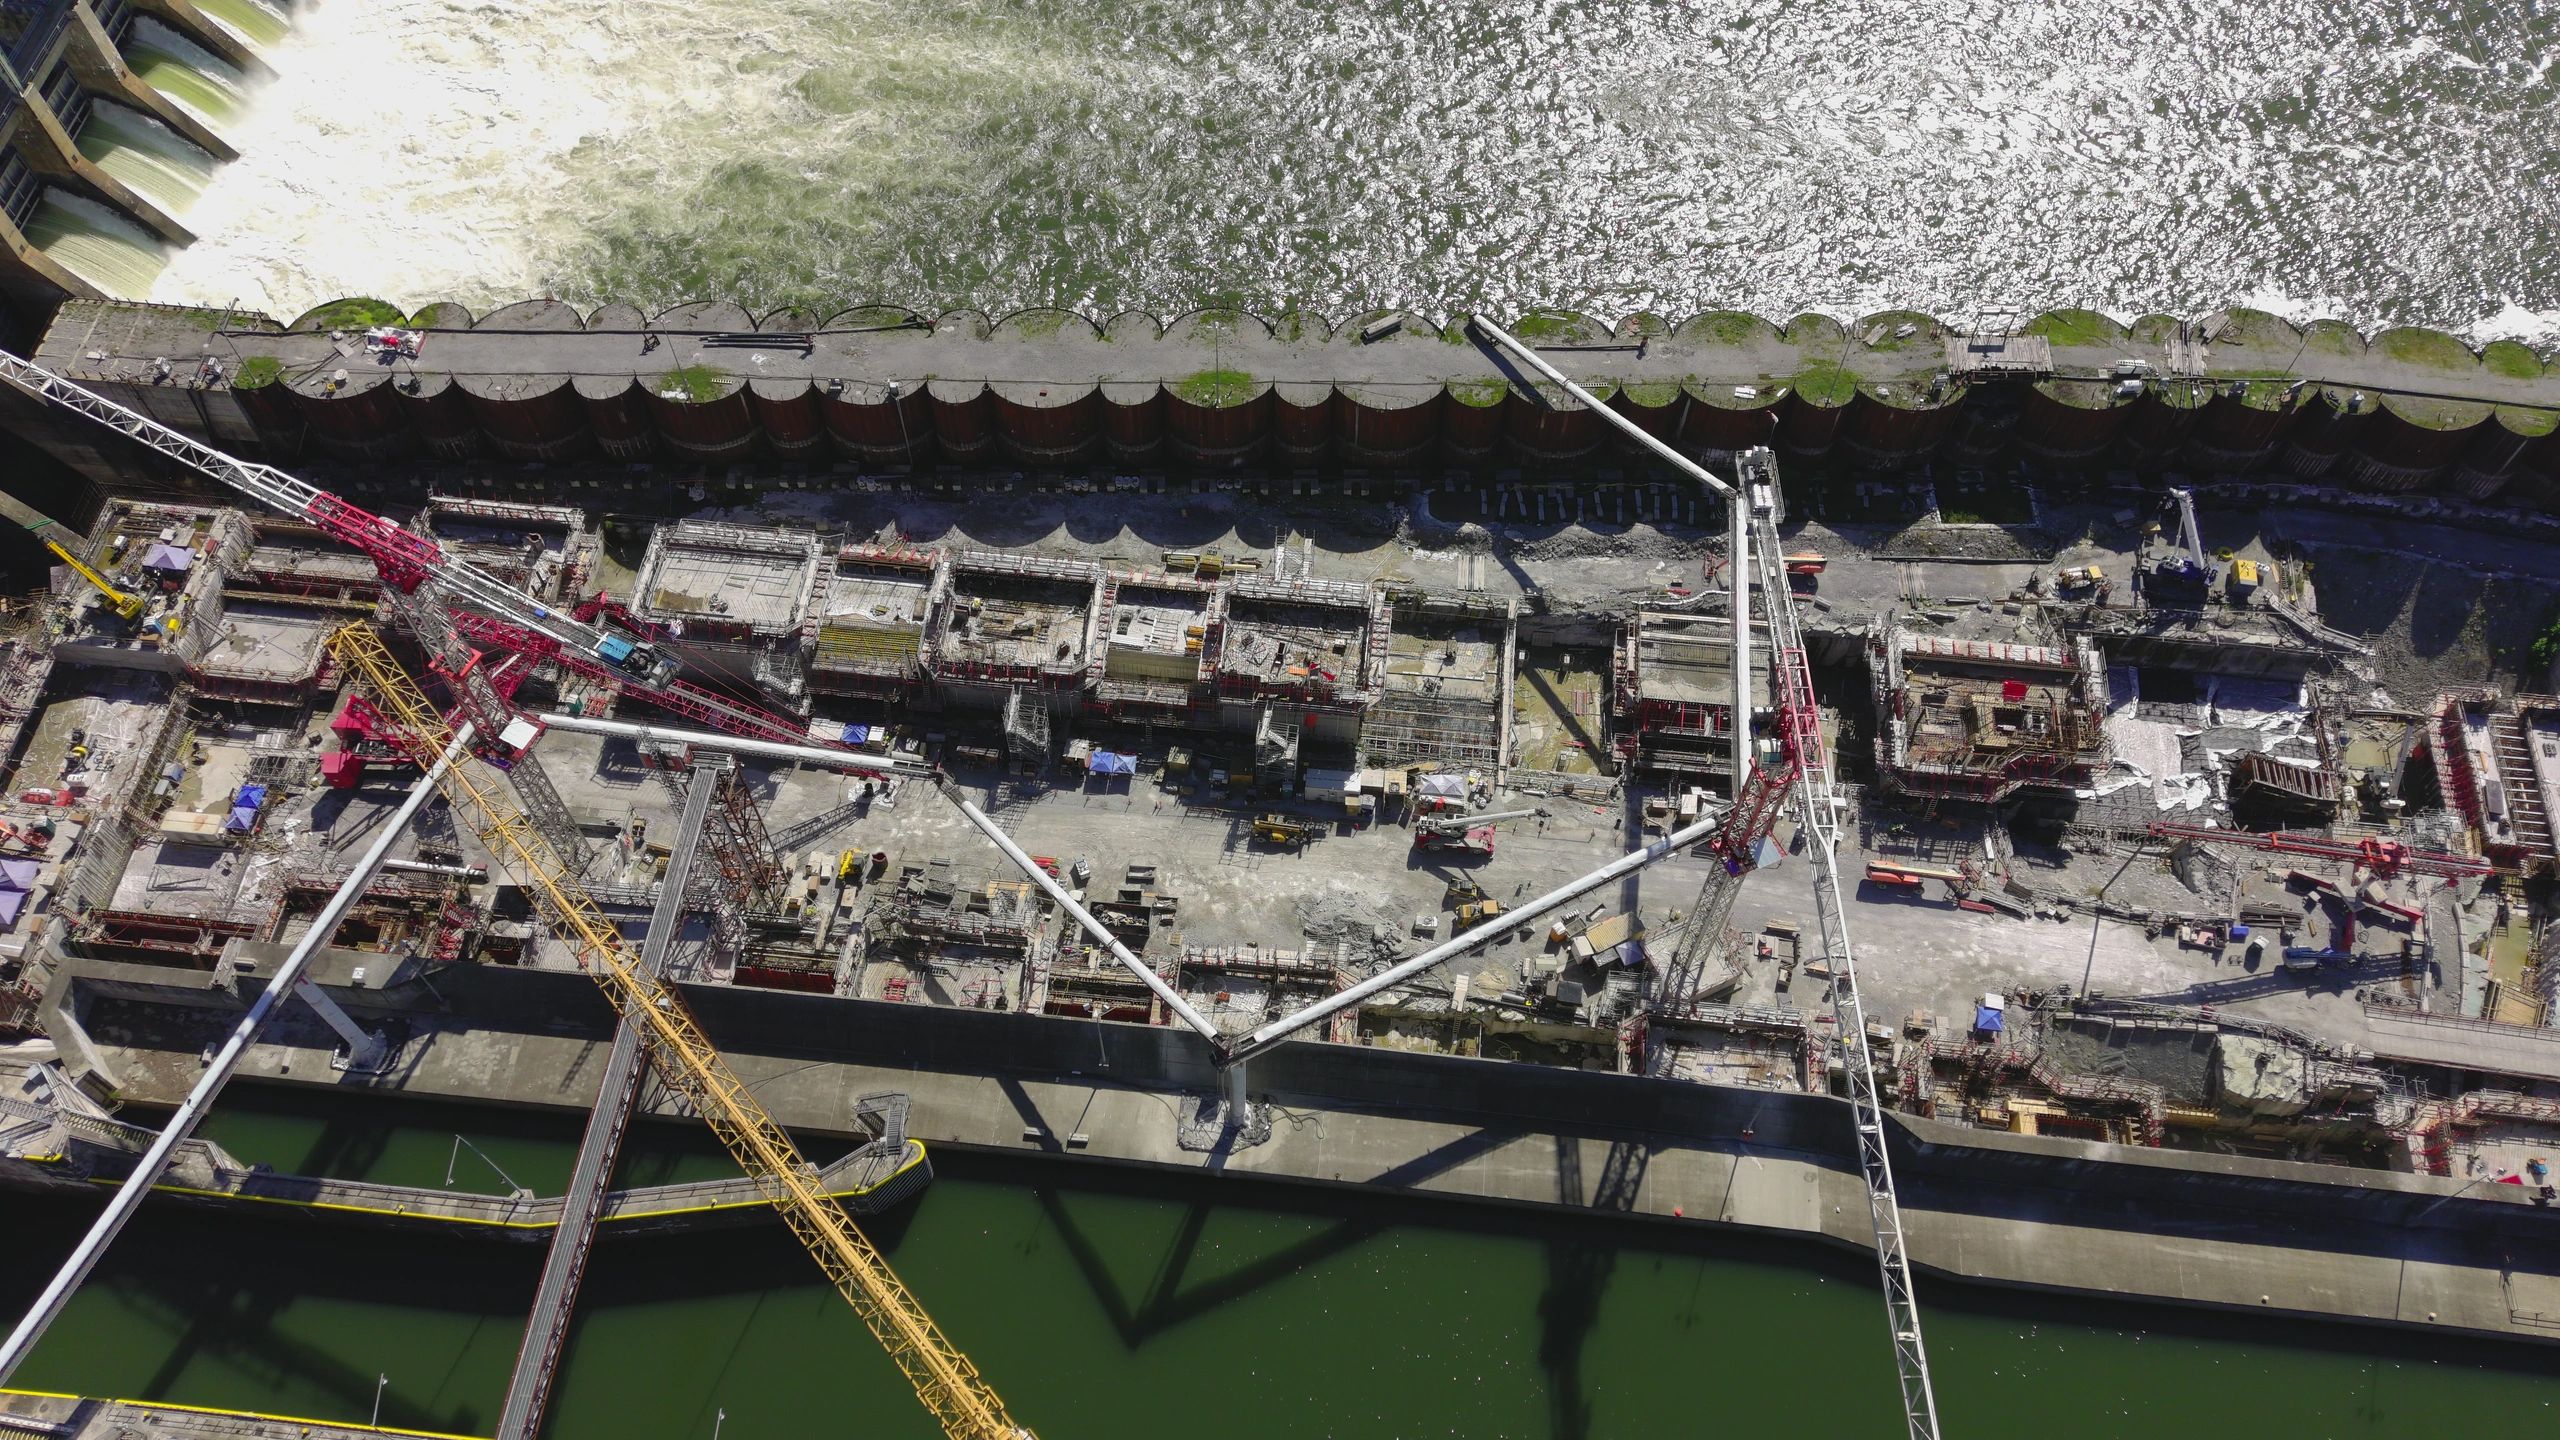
(448, 603)
(1803, 771)
(684, 1058)
(124, 604)
(486, 610)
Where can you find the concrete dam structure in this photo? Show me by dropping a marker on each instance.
(885, 388)
(112, 115)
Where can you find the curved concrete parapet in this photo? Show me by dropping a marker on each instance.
(2409, 410)
(695, 393)
(535, 414)
(1042, 420)
(1385, 421)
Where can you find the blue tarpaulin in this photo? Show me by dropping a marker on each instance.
(244, 818)
(1986, 1020)
(251, 797)
(857, 734)
(168, 557)
(1109, 762)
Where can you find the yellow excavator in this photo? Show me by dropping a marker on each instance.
(126, 605)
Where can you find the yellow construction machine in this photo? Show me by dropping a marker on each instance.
(126, 605)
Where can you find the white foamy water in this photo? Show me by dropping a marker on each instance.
(2389, 163)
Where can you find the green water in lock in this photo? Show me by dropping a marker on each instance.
(1103, 1303)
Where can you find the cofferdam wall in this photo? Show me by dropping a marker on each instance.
(1385, 393)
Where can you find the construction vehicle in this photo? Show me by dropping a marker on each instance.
(2382, 857)
(2073, 579)
(1802, 771)
(1285, 830)
(123, 604)
(1806, 562)
(450, 605)
(1434, 831)
(2180, 574)
(1473, 913)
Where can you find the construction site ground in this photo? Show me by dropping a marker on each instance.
(1362, 890)
(2440, 608)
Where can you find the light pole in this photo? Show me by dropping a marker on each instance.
(718, 1417)
(380, 1380)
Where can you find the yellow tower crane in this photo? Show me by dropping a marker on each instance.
(944, 1380)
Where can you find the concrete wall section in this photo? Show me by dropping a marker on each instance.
(2267, 1235)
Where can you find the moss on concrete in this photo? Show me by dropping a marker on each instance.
(1827, 383)
(2333, 337)
(2429, 349)
(2271, 393)
(2076, 327)
(1653, 394)
(695, 384)
(2510, 360)
(2525, 420)
(356, 314)
(1479, 394)
(1215, 389)
(434, 315)
(257, 373)
(1210, 327)
(1039, 324)
(874, 317)
(2080, 394)
(1725, 327)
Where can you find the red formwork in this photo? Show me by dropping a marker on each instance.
(1471, 421)
(2332, 416)
(2241, 425)
(1716, 417)
(2407, 442)
(360, 418)
(522, 418)
(877, 426)
(618, 417)
(1227, 425)
(1901, 426)
(1373, 425)
(787, 412)
(1549, 425)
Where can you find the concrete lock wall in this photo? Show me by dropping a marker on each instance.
(537, 382)
(1940, 1165)
(2065, 1214)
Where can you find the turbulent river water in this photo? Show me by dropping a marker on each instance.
(2387, 162)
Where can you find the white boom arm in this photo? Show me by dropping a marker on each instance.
(147, 1170)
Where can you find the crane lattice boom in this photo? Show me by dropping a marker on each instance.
(489, 610)
(944, 1380)
(1801, 739)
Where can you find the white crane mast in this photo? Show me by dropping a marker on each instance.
(1816, 808)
